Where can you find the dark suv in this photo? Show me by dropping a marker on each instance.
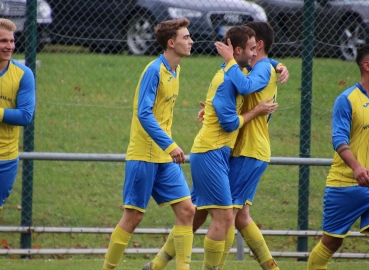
(113, 26)
(15, 10)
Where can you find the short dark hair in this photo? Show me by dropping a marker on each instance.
(239, 35)
(264, 32)
(168, 30)
(362, 52)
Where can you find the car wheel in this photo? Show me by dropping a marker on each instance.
(352, 36)
(140, 36)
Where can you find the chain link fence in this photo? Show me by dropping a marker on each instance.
(90, 55)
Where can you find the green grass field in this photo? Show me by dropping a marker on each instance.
(84, 104)
(90, 264)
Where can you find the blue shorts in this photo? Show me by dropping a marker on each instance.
(8, 172)
(193, 196)
(244, 176)
(210, 179)
(342, 206)
(165, 182)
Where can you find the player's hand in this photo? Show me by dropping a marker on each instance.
(361, 174)
(201, 113)
(225, 51)
(178, 156)
(265, 107)
(284, 74)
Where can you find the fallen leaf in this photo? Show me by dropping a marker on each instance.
(4, 243)
(136, 245)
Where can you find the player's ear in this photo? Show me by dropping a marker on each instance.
(260, 44)
(171, 43)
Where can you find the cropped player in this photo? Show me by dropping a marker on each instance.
(17, 106)
(346, 196)
(153, 158)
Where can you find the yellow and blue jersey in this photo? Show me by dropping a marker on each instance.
(260, 84)
(350, 125)
(221, 120)
(17, 105)
(155, 97)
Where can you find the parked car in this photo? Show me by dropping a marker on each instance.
(15, 10)
(341, 26)
(113, 26)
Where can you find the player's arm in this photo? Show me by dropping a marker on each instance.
(341, 126)
(247, 85)
(201, 113)
(224, 103)
(255, 81)
(281, 69)
(22, 115)
(264, 107)
(147, 93)
(361, 174)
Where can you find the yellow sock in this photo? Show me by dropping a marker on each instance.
(319, 257)
(213, 251)
(166, 253)
(259, 248)
(183, 238)
(118, 242)
(227, 246)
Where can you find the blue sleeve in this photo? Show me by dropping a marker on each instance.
(341, 121)
(22, 115)
(147, 93)
(274, 63)
(224, 103)
(255, 81)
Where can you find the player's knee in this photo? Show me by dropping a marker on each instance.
(186, 212)
(132, 217)
(225, 219)
(137, 220)
(332, 243)
(242, 220)
(189, 211)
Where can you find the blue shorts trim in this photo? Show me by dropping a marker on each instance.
(210, 179)
(244, 176)
(165, 182)
(342, 206)
(8, 173)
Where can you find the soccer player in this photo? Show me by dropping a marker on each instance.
(153, 158)
(346, 195)
(17, 106)
(252, 148)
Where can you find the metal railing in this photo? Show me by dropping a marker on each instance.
(240, 250)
